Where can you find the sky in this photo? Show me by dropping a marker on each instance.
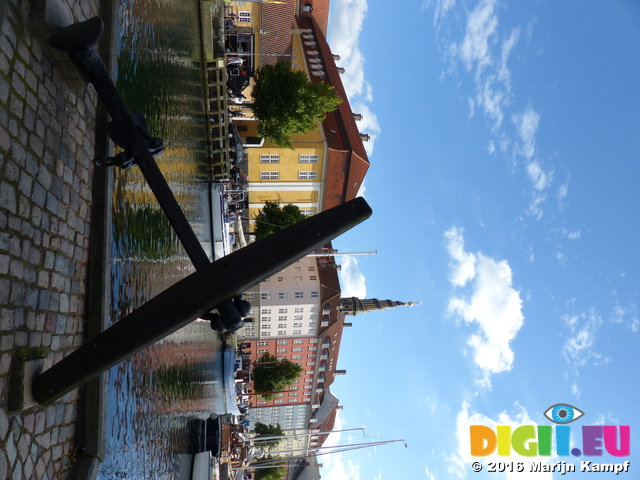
(504, 165)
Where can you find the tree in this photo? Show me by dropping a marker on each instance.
(272, 218)
(286, 103)
(271, 375)
(275, 473)
(263, 430)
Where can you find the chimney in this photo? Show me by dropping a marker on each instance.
(341, 372)
(341, 70)
(336, 57)
(357, 117)
(348, 324)
(365, 137)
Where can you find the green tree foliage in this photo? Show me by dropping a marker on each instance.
(273, 375)
(286, 102)
(272, 218)
(275, 473)
(263, 430)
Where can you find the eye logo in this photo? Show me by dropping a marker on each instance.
(563, 413)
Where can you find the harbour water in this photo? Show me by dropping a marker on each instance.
(156, 397)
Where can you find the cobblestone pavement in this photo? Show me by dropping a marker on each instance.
(47, 133)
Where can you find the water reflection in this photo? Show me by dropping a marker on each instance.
(155, 397)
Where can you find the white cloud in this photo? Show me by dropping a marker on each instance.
(346, 22)
(494, 306)
(563, 191)
(578, 349)
(352, 280)
(485, 51)
(463, 268)
(463, 459)
(575, 390)
(428, 474)
(482, 24)
(442, 7)
(527, 124)
(369, 124)
(625, 315)
(334, 466)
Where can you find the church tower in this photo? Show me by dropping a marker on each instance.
(355, 306)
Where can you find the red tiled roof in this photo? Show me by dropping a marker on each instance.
(320, 11)
(275, 27)
(347, 161)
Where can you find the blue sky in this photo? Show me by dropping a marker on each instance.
(503, 177)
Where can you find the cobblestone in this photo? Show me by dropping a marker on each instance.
(46, 143)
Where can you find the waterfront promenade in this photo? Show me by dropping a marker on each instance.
(47, 143)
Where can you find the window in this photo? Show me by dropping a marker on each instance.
(282, 295)
(311, 356)
(266, 311)
(293, 394)
(263, 344)
(295, 349)
(249, 297)
(244, 17)
(262, 352)
(299, 295)
(282, 325)
(299, 310)
(282, 332)
(282, 350)
(297, 325)
(309, 372)
(298, 317)
(312, 269)
(296, 269)
(266, 319)
(307, 211)
(308, 380)
(282, 279)
(313, 340)
(301, 175)
(282, 318)
(283, 342)
(269, 158)
(297, 332)
(308, 159)
(310, 364)
(313, 278)
(265, 296)
(279, 401)
(313, 349)
(298, 342)
(314, 294)
(293, 387)
(297, 278)
(296, 357)
(269, 175)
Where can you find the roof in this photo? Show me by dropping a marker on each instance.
(347, 161)
(319, 10)
(277, 20)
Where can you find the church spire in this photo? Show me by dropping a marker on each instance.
(355, 306)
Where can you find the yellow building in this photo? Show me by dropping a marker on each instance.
(327, 165)
(284, 175)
